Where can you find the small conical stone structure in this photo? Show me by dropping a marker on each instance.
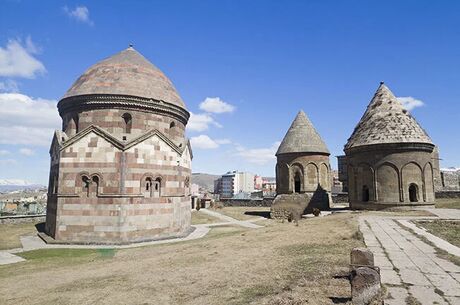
(389, 156)
(302, 170)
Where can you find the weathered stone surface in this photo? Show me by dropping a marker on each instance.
(362, 256)
(390, 158)
(121, 166)
(386, 121)
(126, 73)
(365, 285)
(302, 137)
(303, 164)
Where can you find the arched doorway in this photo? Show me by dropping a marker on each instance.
(365, 193)
(297, 182)
(413, 192)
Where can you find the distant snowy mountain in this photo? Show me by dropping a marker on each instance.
(450, 169)
(9, 185)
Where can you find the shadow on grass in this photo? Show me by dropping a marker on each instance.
(265, 214)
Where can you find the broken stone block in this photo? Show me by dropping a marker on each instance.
(365, 285)
(362, 257)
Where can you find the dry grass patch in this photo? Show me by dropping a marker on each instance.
(202, 218)
(448, 203)
(11, 233)
(278, 264)
(447, 230)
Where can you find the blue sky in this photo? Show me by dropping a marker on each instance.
(267, 59)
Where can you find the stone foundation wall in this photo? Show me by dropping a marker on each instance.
(266, 202)
(447, 194)
(126, 220)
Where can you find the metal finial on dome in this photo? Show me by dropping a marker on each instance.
(131, 45)
(382, 82)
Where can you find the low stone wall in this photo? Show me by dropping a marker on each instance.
(22, 218)
(266, 202)
(340, 198)
(447, 194)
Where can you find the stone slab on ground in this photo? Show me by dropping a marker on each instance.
(398, 296)
(416, 267)
(8, 258)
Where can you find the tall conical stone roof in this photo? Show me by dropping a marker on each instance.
(302, 137)
(386, 121)
(126, 73)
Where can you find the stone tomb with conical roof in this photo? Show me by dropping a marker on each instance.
(302, 170)
(121, 165)
(389, 156)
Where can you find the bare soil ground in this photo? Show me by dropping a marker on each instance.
(448, 203)
(278, 264)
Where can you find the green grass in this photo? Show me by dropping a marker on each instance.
(447, 230)
(448, 203)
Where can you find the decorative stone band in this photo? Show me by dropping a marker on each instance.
(303, 154)
(117, 143)
(394, 147)
(109, 101)
(117, 196)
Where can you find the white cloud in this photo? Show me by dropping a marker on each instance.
(201, 122)
(7, 161)
(4, 152)
(9, 85)
(16, 60)
(80, 13)
(26, 152)
(410, 103)
(27, 121)
(216, 105)
(223, 141)
(258, 155)
(203, 142)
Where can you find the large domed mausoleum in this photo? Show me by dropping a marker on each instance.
(121, 165)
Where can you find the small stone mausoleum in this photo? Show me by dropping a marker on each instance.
(390, 157)
(121, 165)
(302, 168)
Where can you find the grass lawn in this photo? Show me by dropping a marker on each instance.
(278, 264)
(448, 203)
(447, 230)
(10, 234)
(239, 212)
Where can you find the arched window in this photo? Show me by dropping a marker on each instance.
(55, 184)
(75, 119)
(172, 125)
(297, 182)
(157, 188)
(128, 119)
(365, 193)
(85, 184)
(95, 186)
(148, 187)
(413, 192)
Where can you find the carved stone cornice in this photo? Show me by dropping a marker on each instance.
(392, 147)
(108, 101)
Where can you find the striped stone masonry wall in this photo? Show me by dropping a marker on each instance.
(101, 193)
